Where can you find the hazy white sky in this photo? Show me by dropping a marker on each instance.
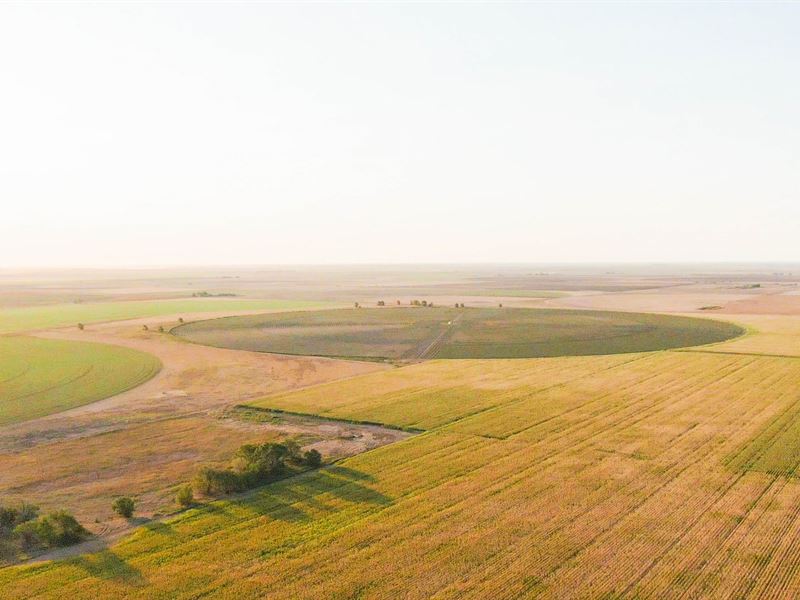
(145, 134)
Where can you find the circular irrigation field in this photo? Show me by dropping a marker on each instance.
(416, 333)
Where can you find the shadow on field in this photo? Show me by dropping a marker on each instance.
(107, 565)
(321, 490)
(159, 527)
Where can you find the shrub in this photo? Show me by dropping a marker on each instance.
(185, 497)
(8, 517)
(312, 458)
(80, 326)
(293, 451)
(217, 481)
(56, 529)
(160, 329)
(145, 328)
(12, 517)
(27, 512)
(28, 535)
(180, 319)
(124, 506)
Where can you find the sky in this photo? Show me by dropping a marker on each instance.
(190, 134)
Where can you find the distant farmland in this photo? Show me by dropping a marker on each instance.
(39, 377)
(412, 333)
(58, 315)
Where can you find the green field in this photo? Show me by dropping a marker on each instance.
(410, 333)
(39, 377)
(586, 477)
(57, 315)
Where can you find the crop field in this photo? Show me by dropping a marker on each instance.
(58, 315)
(413, 333)
(39, 377)
(652, 475)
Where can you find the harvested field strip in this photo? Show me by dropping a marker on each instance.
(433, 394)
(39, 377)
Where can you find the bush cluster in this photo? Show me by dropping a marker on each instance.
(22, 527)
(252, 465)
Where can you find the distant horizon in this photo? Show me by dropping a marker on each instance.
(192, 266)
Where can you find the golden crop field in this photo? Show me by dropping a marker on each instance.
(655, 475)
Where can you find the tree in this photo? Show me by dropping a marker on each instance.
(10, 517)
(80, 326)
(160, 329)
(381, 303)
(145, 328)
(124, 506)
(398, 303)
(313, 458)
(185, 497)
(355, 305)
(501, 305)
(180, 319)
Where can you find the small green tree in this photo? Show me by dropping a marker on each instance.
(185, 497)
(124, 506)
(312, 458)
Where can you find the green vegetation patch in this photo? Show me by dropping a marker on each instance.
(39, 377)
(409, 333)
(58, 315)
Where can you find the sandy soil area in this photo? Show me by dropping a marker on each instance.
(693, 298)
(766, 304)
